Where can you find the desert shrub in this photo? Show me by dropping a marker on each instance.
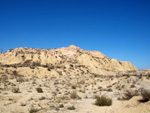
(4, 78)
(27, 63)
(109, 90)
(33, 110)
(132, 86)
(60, 72)
(94, 92)
(57, 109)
(32, 67)
(145, 93)
(39, 90)
(46, 66)
(56, 82)
(37, 63)
(61, 105)
(20, 79)
(71, 108)
(15, 90)
(23, 104)
(103, 101)
(74, 95)
(109, 86)
(50, 68)
(15, 73)
(73, 87)
(12, 84)
(42, 98)
(99, 87)
(82, 82)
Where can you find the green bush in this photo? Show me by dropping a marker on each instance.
(103, 101)
(61, 105)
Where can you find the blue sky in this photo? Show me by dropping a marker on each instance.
(118, 28)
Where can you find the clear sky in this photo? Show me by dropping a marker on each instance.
(118, 28)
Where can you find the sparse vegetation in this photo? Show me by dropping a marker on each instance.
(103, 101)
(36, 63)
(57, 109)
(71, 108)
(33, 110)
(73, 87)
(42, 98)
(132, 86)
(16, 90)
(39, 90)
(61, 105)
(44, 91)
(74, 95)
(23, 104)
(20, 79)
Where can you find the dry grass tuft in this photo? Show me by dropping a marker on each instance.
(103, 101)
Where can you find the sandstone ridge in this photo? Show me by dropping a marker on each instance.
(67, 60)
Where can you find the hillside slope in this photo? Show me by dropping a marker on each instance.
(70, 60)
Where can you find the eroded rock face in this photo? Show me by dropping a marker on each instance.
(71, 58)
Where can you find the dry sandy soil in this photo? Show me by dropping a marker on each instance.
(55, 94)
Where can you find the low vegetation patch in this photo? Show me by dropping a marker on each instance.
(132, 86)
(73, 87)
(61, 105)
(33, 110)
(74, 95)
(71, 108)
(103, 101)
(16, 90)
(39, 90)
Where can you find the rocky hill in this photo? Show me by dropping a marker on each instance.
(67, 61)
(70, 80)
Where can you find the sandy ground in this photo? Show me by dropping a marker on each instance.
(18, 94)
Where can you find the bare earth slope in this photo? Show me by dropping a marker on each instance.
(71, 57)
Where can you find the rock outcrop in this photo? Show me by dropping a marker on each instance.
(70, 60)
